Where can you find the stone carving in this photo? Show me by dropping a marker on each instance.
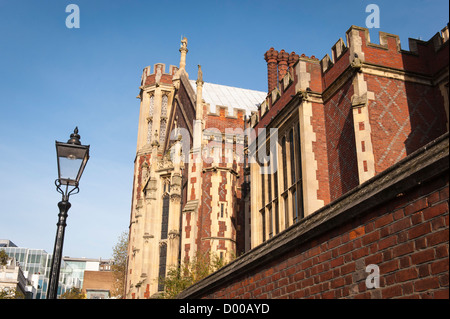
(356, 63)
(173, 234)
(183, 45)
(199, 76)
(158, 74)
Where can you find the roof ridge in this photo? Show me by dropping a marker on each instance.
(235, 87)
(231, 97)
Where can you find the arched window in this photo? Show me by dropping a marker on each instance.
(165, 216)
(162, 265)
(150, 119)
(164, 231)
(162, 129)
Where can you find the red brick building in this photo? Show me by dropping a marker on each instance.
(342, 120)
(325, 174)
(359, 179)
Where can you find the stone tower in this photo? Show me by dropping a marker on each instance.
(188, 174)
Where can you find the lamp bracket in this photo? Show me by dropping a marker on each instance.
(66, 193)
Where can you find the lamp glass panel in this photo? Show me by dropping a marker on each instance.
(69, 167)
(71, 159)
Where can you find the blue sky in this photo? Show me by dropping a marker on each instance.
(53, 78)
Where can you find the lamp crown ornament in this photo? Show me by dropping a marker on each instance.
(74, 137)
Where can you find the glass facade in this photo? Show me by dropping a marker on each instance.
(36, 264)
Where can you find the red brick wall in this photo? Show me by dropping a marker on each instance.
(404, 116)
(342, 165)
(336, 70)
(406, 235)
(220, 121)
(204, 214)
(320, 150)
(98, 280)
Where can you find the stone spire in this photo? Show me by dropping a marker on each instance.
(199, 104)
(183, 50)
(198, 123)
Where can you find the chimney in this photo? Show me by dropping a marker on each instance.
(282, 64)
(272, 76)
(293, 58)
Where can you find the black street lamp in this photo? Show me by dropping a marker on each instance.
(72, 159)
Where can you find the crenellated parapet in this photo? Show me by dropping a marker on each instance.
(424, 63)
(157, 75)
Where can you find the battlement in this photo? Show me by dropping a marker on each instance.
(159, 74)
(388, 52)
(309, 74)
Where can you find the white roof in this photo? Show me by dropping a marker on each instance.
(232, 97)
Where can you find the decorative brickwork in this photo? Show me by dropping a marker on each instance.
(398, 221)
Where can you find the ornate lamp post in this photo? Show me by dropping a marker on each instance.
(72, 159)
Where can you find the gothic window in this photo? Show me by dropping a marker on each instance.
(295, 183)
(283, 151)
(270, 222)
(288, 197)
(162, 265)
(150, 119)
(164, 231)
(263, 194)
(269, 185)
(286, 211)
(162, 130)
(299, 173)
(263, 218)
(277, 218)
(292, 152)
(222, 209)
(165, 216)
(274, 164)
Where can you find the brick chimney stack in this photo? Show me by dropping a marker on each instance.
(271, 58)
(293, 58)
(283, 57)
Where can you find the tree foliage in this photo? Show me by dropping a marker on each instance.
(10, 293)
(179, 278)
(74, 293)
(3, 257)
(120, 251)
(7, 292)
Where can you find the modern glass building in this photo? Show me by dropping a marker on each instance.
(36, 264)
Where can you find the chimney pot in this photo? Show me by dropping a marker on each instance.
(271, 57)
(283, 57)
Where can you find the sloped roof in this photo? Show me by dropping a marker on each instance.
(232, 97)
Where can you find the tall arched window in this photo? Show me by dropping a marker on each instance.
(164, 231)
(162, 265)
(162, 128)
(150, 119)
(165, 216)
